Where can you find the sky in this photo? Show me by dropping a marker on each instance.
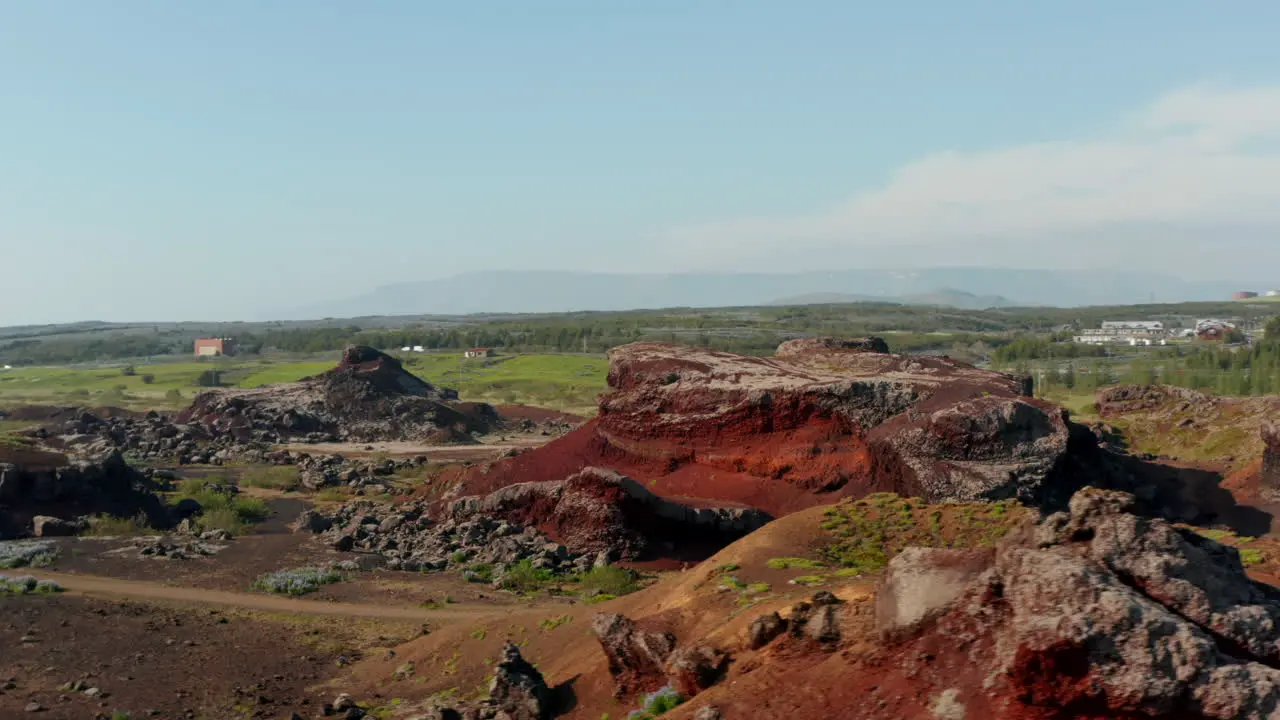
(168, 161)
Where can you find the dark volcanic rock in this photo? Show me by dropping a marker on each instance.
(49, 493)
(765, 629)
(368, 396)
(518, 689)
(599, 511)
(406, 538)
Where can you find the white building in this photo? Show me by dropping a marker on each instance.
(1133, 332)
(1273, 293)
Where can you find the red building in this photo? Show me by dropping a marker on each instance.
(212, 347)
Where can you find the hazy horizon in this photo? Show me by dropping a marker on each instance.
(168, 162)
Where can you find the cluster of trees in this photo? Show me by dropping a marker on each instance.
(1030, 347)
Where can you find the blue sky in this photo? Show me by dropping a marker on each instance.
(291, 151)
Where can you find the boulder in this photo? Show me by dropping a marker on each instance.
(921, 582)
(690, 670)
(312, 521)
(637, 658)
(765, 629)
(46, 526)
(518, 689)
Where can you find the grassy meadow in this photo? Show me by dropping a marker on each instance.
(563, 382)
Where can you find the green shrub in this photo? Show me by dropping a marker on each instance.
(271, 477)
(523, 577)
(27, 585)
(657, 704)
(480, 572)
(296, 582)
(795, 563)
(27, 553)
(552, 623)
(222, 511)
(112, 526)
(609, 580)
(1251, 556)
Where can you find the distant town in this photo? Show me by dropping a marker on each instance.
(1154, 332)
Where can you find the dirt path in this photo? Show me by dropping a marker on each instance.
(484, 450)
(141, 590)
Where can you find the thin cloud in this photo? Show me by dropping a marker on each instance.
(1198, 157)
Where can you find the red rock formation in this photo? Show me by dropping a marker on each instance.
(824, 419)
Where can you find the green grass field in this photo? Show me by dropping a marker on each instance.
(562, 382)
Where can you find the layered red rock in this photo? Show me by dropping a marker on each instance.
(823, 420)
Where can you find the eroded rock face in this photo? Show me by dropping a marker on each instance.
(368, 396)
(822, 420)
(600, 511)
(1104, 613)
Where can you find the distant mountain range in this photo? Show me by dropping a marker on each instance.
(554, 291)
(944, 298)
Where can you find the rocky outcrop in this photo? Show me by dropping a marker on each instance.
(1270, 480)
(406, 538)
(690, 670)
(644, 660)
(46, 497)
(1125, 399)
(368, 396)
(816, 619)
(1095, 612)
(518, 690)
(637, 658)
(822, 420)
(599, 511)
